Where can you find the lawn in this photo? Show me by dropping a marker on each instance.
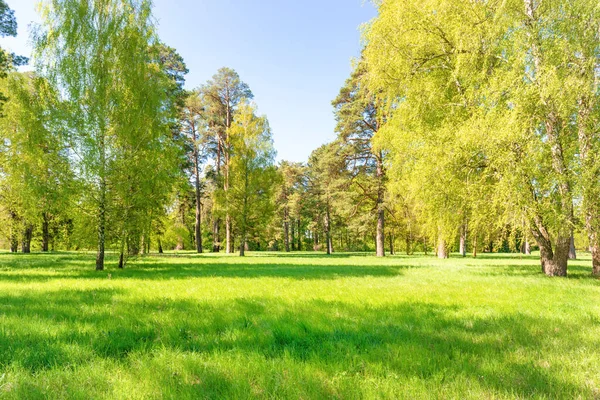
(297, 326)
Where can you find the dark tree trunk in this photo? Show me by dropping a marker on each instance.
(160, 249)
(216, 238)
(14, 232)
(198, 224)
(553, 260)
(27, 235)
(299, 247)
(121, 260)
(45, 232)
(293, 235)
(328, 241)
(391, 240)
(286, 230)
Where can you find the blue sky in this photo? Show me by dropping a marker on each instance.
(295, 55)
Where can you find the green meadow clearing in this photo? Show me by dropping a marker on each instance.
(297, 326)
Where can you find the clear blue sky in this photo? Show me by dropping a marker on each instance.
(295, 55)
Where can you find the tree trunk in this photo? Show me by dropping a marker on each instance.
(391, 240)
(463, 240)
(244, 213)
(198, 225)
(442, 251)
(228, 247)
(572, 249)
(286, 230)
(526, 247)
(299, 247)
(160, 249)
(590, 179)
(216, 236)
(474, 246)
(45, 232)
(293, 235)
(14, 232)
(122, 254)
(380, 238)
(553, 260)
(328, 243)
(27, 235)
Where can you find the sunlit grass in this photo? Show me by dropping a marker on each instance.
(300, 326)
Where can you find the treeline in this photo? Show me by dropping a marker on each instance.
(464, 126)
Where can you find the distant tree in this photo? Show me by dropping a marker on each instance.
(288, 197)
(327, 177)
(252, 173)
(359, 117)
(221, 97)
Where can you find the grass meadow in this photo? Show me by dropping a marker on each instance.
(300, 326)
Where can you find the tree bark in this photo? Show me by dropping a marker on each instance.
(286, 229)
(572, 249)
(299, 247)
(380, 238)
(228, 247)
(328, 242)
(160, 249)
(442, 251)
(590, 177)
(293, 235)
(391, 240)
(14, 232)
(463, 240)
(553, 260)
(101, 208)
(27, 236)
(45, 232)
(244, 214)
(198, 225)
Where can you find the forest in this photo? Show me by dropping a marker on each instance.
(442, 243)
(469, 127)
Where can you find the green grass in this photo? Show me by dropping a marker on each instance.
(302, 326)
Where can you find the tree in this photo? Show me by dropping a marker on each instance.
(36, 175)
(102, 56)
(359, 117)
(327, 175)
(288, 197)
(252, 173)
(195, 129)
(221, 97)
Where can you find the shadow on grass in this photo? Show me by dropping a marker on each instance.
(39, 269)
(423, 341)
